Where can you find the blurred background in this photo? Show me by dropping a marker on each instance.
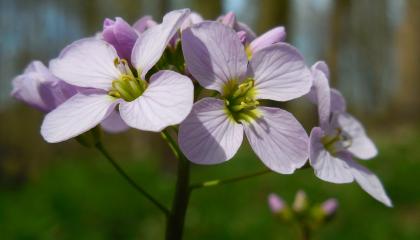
(65, 191)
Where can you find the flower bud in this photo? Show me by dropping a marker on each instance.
(301, 201)
(329, 207)
(275, 203)
(275, 35)
(120, 35)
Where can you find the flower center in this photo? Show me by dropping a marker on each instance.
(240, 100)
(128, 86)
(336, 142)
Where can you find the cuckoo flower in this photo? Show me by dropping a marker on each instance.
(339, 138)
(40, 89)
(165, 99)
(213, 131)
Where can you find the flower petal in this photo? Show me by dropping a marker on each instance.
(361, 145)
(76, 116)
(144, 23)
(280, 73)
(207, 135)
(114, 123)
(275, 35)
(369, 182)
(87, 63)
(213, 54)
(338, 103)
(278, 139)
(322, 91)
(121, 35)
(152, 43)
(26, 87)
(327, 167)
(167, 101)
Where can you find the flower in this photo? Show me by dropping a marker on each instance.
(165, 99)
(213, 131)
(40, 89)
(339, 138)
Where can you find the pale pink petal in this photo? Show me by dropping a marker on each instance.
(322, 91)
(361, 145)
(113, 123)
(250, 35)
(76, 116)
(192, 19)
(278, 139)
(150, 46)
(369, 182)
(208, 136)
(167, 101)
(275, 35)
(326, 166)
(280, 73)
(87, 63)
(214, 54)
(229, 19)
(276, 203)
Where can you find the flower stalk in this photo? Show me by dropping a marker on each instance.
(100, 147)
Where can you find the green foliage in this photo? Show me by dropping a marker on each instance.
(83, 198)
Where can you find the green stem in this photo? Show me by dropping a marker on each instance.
(219, 182)
(100, 147)
(176, 218)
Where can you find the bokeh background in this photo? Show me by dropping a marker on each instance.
(65, 191)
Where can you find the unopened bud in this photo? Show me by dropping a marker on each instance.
(301, 201)
(329, 207)
(275, 203)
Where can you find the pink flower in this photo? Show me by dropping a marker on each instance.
(339, 138)
(213, 132)
(165, 99)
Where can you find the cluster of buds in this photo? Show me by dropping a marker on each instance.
(309, 216)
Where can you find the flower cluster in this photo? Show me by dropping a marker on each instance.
(212, 79)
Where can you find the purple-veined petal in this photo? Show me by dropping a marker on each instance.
(361, 145)
(369, 182)
(167, 101)
(322, 91)
(150, 46)
(207, 135)
(114, 123)
(120, 35)
(214, 54)
(144, 23)
(76, 116)
(327, 167)
(278, 139)
(275, 35)
(280, 73)
(87, 63)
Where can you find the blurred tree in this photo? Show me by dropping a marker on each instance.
(272, 13)
(207, 9)
(408, 40)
